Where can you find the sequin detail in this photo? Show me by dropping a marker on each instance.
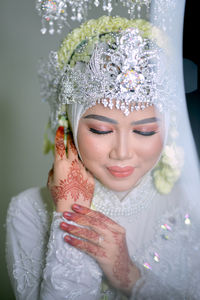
(147, 266)
(187, 219)
(156, 257)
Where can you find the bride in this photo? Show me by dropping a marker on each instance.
(119, 218)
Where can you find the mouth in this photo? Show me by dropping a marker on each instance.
(120, 171)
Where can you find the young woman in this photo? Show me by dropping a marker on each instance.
(125, 220)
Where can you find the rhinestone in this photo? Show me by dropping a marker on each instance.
(105, 102)
(165, 237)
(147, 266)
(156, 257)
(166, 227)
(187, 219)
(130, 80)
(43, 30)
(51, 30)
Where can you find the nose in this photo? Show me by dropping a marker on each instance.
(121, 148)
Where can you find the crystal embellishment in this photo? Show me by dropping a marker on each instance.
(147, 266)
(187, 219)
(58, 11)
(119, 69)
(166, 227)
(130, 80)
(52, 11)
(156, 257)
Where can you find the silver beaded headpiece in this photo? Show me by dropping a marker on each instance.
(121, 69)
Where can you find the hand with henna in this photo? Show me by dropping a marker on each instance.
(68, 180)
(105, 241)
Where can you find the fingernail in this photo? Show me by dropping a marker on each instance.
(64, 225)
(60, 132)
(67, 215)
(61, 128)
(67, 238)
(76, 206)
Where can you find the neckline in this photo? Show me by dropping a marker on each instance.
(137, 200)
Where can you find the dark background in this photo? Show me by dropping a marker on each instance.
(191, 50)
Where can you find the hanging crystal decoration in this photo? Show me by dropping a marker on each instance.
(56, 11)
(52, 11)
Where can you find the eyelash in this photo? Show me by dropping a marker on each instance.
(99, 132)
(150, 133)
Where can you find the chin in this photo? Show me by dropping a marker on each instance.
(118, 186)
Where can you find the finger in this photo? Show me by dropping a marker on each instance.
(60, 152)
(96, 215)
(80, 232)
(72, 152)
(89, 248)
(84, 220)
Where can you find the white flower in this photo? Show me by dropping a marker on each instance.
(168, 169)
(173, 156)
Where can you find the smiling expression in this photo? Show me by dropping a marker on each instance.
(117, 149)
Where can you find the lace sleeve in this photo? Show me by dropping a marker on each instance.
(69, 273)
(26, 237)
(41, 265)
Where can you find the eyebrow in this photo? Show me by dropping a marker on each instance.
(145, 121)
(101, 118)
(109, 120)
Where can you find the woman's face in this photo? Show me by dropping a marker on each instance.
(117, 149)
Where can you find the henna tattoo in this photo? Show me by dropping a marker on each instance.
(74, 185)
(59, 142)
(95, 251)
(80, 232)
(85, 220)
(93, 214)
(86, 247)
(121, 268)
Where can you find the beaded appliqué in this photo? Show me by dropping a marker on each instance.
(134, 203)
(164, 254)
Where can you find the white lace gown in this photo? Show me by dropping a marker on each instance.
(163, 241)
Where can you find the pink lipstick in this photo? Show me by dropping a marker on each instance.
(120, 171)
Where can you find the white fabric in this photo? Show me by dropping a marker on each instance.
(42, 266)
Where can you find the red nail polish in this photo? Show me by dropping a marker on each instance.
(76, 206)
(60, 132)
(61, 128)
(68, 238)
(67, 215)
(64, 225)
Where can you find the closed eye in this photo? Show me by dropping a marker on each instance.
(99, 131)
(145, 133)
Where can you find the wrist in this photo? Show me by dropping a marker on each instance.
(134, 276)
(62, 205)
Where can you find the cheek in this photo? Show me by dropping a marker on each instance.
(91, 147)
(151, 149)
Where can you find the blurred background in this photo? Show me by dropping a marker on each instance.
(22, 115)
